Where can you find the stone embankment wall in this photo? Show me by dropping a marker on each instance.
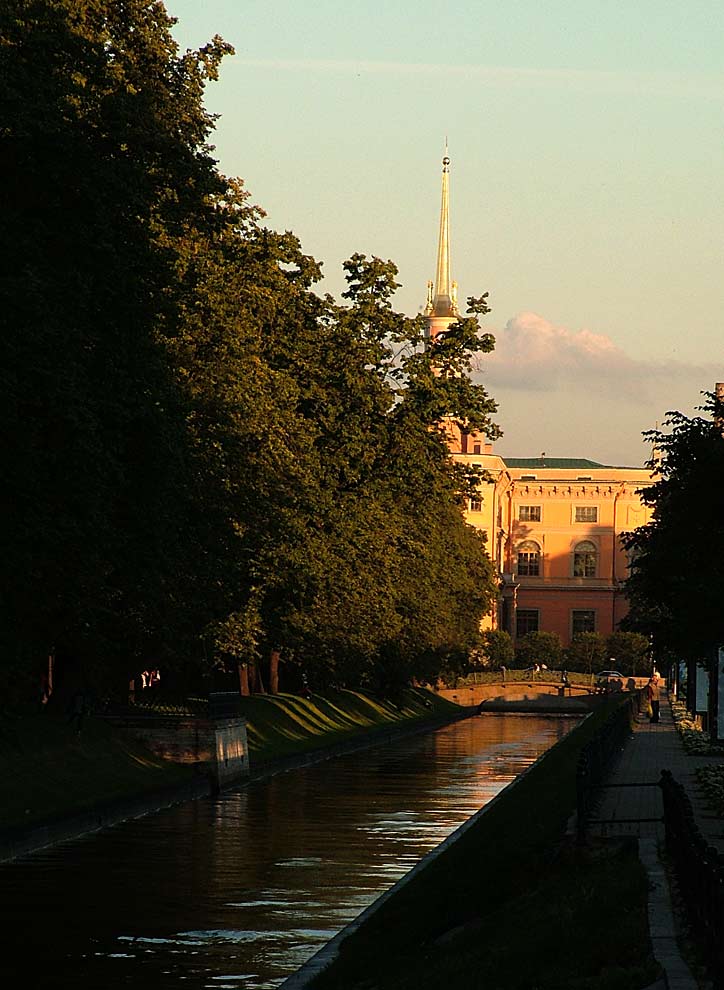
(219, 745)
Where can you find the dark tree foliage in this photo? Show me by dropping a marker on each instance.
(586, 653)
(628, 652)
(539, 647)
(677, 570)
(206, 462)
(496, 650)
(101, 147)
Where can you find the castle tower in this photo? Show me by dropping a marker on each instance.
(441, 308)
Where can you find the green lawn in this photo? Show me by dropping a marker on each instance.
(285, 724)
(49, 772)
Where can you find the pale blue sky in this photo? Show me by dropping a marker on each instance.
(587, 146)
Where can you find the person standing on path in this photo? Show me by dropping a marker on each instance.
(654, 695)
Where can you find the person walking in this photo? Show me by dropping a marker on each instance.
(653, 692)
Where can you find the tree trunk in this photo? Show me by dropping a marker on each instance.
(274, 672)
(244, 680)
(255, 680)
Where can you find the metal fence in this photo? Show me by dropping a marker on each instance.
(597, 758)
(700, 874)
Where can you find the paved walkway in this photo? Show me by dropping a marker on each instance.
(638, 810)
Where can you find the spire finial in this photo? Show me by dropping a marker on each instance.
(443, 302)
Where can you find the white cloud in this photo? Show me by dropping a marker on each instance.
(577, 393)
(533, 354)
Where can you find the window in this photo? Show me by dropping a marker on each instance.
(477, 448)
(584, 560)
(584, 477)
(476, 505)
(587, 513)
(529, 559)
(526, 620)
(528, 477)
(529, 513)
(583, 620)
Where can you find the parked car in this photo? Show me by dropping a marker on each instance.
(609, 680)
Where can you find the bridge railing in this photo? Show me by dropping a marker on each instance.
(598, 756)
(700, 874)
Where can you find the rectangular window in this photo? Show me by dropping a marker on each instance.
(477, 448)
(583, 620)
(526, 620)
(584, 564)
(529, 563)
(476, 505)
(529, 513)
(528, 477)
(587, 513)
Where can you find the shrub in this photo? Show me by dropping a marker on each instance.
(587, 652)
(539, 647)
(630, 651)
(496, 650)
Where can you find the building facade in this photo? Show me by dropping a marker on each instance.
(553, 526)
(554, 530)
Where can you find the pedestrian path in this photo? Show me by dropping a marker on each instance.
(638, 810)
(632, 804)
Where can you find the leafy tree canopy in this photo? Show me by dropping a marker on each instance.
(208, 462)
(677, 572)
(586, 652)
(496, 649)
(539, 648)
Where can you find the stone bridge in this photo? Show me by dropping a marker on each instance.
(534, 696)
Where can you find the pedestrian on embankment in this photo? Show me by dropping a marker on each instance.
(653, 693)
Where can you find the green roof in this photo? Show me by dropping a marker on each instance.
(564, 463)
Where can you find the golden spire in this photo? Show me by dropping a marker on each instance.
(443, 301)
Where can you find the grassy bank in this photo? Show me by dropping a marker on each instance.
(284, 725)
(49, 772)
(512, 905)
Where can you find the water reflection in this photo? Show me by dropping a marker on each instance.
(239, 891)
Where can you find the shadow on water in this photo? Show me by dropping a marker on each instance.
(238, 891)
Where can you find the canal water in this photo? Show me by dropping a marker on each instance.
(238, 891)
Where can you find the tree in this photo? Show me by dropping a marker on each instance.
(677, 559)
(629, 652)
(496, 650)
(206, 459)
(102, 151)
(398, 582)
(586, 653)
(539, 647)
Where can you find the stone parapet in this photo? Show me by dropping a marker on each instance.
(219, 745)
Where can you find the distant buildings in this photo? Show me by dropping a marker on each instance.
(553, 525)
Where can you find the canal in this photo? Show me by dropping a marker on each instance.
(238, 891)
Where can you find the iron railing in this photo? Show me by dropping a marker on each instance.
(699, 872)
(597, 758)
